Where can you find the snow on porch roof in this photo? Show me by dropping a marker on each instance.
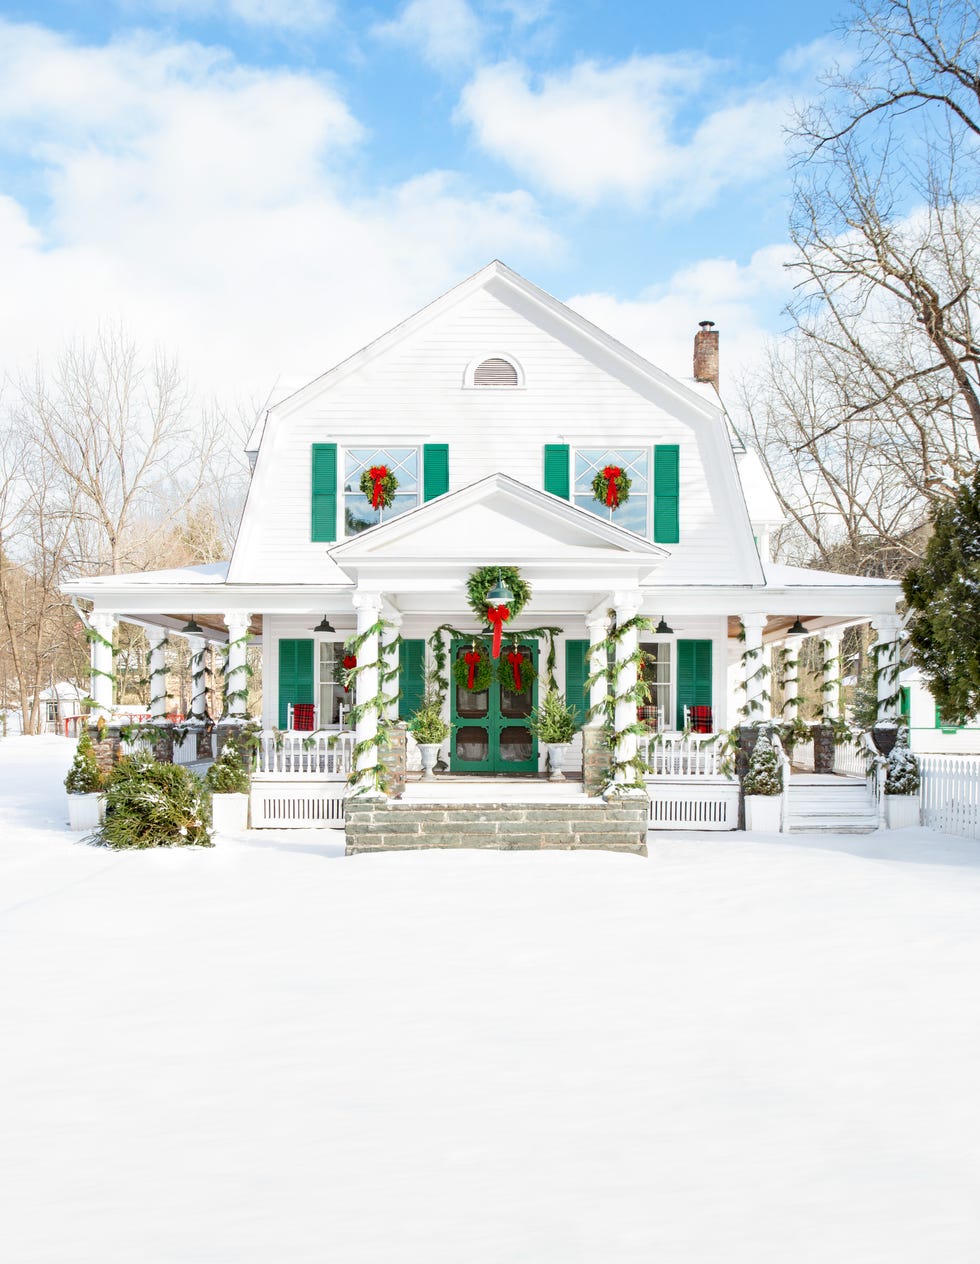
(207, 573)
(779, 575)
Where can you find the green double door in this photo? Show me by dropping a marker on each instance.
(490, 727)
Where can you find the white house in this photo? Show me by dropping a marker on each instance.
(928, 734)
(495, 407)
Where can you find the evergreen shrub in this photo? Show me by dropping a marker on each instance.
(764, 775)
(154, 805)
(903, 767)
(84, 775)
(229, 774)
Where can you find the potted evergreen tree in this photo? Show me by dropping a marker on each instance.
(85, 784)
(763, 787)
(229, 779)
(430, 730)
(553, 724)
(901, 784)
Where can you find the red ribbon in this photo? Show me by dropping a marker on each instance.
(378, 473)
(349, 662)
(472, 660)
(611, 473)
(497, 615)
(515, 658)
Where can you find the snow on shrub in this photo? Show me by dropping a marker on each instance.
(903, 767)
(84, 775)
(154, 805)
(764, 775)
(229, 774)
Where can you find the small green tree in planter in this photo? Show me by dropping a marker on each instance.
(84, 784)
(553, 722)
(902, 784)
(763, 786)
(429, 729)
(229, 779)
(154, 805)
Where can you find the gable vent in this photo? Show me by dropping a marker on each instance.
(495, 372)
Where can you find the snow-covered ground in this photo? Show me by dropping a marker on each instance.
(741, 1049)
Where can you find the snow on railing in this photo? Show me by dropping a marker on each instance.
(802, 755)
(681, 755)
(320, 754)
(850, 759)
(950, 793)
(876, 766)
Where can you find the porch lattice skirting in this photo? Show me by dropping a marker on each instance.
(508, 825)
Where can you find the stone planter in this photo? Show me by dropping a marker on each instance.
(557, 752)
(429, 752)
(901, 810)
(85, 811)
(229, 813)
(762, 812)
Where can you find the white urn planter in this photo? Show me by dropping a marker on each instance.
(86, 811)
(429, 752)
(762, 812)
(229, 813)
(557, 751)
(901, 810)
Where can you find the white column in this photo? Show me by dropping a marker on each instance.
(158, 676)
(757, 706)
(368, 607)
(238, 623)
(830, 644)
(598, 628)
(196, 646)
(103, 625)
(886, 627)
(791, 679)
(390, 658)
(625, 606)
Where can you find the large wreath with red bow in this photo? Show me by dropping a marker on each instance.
(478, 590)
(379, 486)
(472, 670)
(611, 486)
(516, 670)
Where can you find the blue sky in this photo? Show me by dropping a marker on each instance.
(263, 185)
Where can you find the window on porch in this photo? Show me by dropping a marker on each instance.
(656, 713)
(330, 690)
(402, 462)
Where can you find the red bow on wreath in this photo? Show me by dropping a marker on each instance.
(497, 615)
(611, 473)
(472, 660)
(350, 662)
(515, 658)
(377, 474)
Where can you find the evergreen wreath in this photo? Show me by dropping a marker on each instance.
(505, 670)
(379, 486)
(611, 486)
(482, 672)
(481, 581)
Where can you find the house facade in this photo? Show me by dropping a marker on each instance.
(495, 408)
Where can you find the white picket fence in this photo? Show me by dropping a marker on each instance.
(950, 794)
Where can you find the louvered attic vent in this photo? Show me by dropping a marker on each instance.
(495, 372)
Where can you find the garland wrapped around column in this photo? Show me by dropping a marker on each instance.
(638, 694)
(237, 690)
(374, 777)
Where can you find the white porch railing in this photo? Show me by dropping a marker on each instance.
(680, 755)
(950, 794)
(185, 747)
(785, 770)
(802, 756)
(322, 755)
(850, 760)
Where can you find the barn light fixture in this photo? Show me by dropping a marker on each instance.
(499, 594)
(192, 628)
(663, 629)
(324, 626)
(797, 629)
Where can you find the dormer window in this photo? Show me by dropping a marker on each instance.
(496, 371)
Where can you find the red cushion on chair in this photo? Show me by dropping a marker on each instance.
(699, 719)
(304, 716)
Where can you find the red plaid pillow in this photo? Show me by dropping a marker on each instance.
(700, 719)
(304, 716)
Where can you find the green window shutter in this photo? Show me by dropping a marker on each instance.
(666, 493)
(324, 497)
(411, 677)
(905, 701)
(557, 462)
(435, 470)
(295, 675)
(693, 677)
(576, 674)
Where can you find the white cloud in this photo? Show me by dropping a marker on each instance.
(446, 32)
(288, 15)
(206, 205)
(599, 132)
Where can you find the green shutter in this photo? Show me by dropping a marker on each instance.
(435, 470)
(666, 493)
(324, 492)
(576, 674)
(905, 702)
(295, 675)
(556, 469)
(411, 677)
(693, 677)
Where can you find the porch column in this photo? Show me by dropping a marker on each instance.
(886, 627)
(757, 706)
(103, 627)
(625, 606)
(197, 646)
(368, 607)
(598, 628)
(158, 676)
(389, 657)
(238, 623)
(791, 680)
(830, 644)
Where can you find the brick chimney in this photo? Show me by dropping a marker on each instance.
(706, 353)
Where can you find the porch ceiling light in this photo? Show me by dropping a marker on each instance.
(797, 629)
(192, 628)
(499, 594)
(324, 626)
(663, 629)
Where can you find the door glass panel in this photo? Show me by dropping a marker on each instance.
(515, 744)
(471, 704)
(515, 706)
(473, 744)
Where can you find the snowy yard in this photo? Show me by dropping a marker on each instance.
(739, 1049)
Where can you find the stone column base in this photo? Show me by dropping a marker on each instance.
(596, 760)
(823, 748)
(394, 758)
(107, 745)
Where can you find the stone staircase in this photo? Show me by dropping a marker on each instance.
(829, 805)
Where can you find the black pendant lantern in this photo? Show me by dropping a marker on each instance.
(324, 626)
(663, 629)
(192, 628)
(797, 629)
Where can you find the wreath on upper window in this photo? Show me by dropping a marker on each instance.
(472, 670)
(379, 486)
(611, 486)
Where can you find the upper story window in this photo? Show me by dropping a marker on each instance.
(636, 514)
(402, 462)
(496, 371)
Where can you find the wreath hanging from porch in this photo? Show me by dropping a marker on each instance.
(379, 486)
(516, 671)
(478, 588)
(611, 486)
(472, 671)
